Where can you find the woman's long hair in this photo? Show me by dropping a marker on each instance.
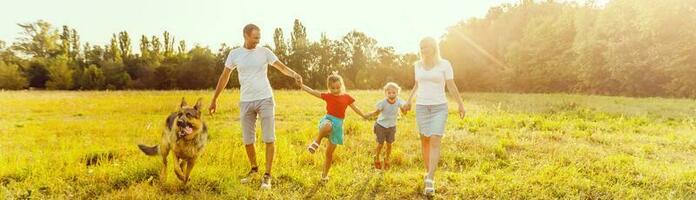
(433, 59)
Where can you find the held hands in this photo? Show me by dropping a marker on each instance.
(298, 79)
(406, 107)
(369, 116)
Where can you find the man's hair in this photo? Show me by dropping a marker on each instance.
(249, 28)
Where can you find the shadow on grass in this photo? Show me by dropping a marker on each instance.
(197, 184)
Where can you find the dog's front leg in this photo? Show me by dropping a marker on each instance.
(177, 168)
(189, 167)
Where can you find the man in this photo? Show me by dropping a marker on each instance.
(256, 96)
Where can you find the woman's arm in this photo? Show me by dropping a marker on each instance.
(402, 108)
(357, 110)
(407, 106)
(454, 93)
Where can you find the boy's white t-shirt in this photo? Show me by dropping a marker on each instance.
(431, 83)
(252, 65)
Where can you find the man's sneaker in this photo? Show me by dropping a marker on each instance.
(266, 182)
(250, 175)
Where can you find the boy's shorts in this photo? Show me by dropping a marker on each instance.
(384, 134)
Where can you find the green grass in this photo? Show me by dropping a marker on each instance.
(68, 145)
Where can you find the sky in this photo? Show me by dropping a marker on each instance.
(400, 24)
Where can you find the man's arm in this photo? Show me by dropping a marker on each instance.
(285, 69)
(222, 83)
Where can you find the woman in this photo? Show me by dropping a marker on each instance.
(432, 75)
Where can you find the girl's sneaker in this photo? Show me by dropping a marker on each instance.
(313, 147)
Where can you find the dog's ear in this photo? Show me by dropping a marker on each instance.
(183, 102)
(199, 104)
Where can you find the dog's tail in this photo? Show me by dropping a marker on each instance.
(150, 151)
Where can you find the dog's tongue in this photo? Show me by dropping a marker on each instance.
(186, 131)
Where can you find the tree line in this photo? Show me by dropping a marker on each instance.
(45, 57)
(623, 47)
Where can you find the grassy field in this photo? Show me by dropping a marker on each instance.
(68, 145)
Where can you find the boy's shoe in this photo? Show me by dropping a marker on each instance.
(250, 175)
(266, 182)
(378, 164)
(386, 165)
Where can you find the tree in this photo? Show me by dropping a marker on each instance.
(361, 51)
(93, 54)
(75, 44)
(182, 47)
(196, 73)
(168, 45)
(299, 56)
(281, 50)
(37, 73)
(93, 78)
(8, 56)
(113, 52)
(144, 47)
(323, 61)
(124, 44)
(11, 78)
(115, 75)
(59, 74)
(540, 60)
(38, 40)
(156, 51)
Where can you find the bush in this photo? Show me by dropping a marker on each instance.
(11, 78)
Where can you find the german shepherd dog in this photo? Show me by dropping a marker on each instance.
(185, 135)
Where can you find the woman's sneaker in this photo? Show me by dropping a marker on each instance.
(429, 188)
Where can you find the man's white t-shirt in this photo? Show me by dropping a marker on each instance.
(252, 65)
(431, 83)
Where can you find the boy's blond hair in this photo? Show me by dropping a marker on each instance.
(392, 85)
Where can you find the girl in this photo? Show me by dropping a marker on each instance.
(331, 125)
